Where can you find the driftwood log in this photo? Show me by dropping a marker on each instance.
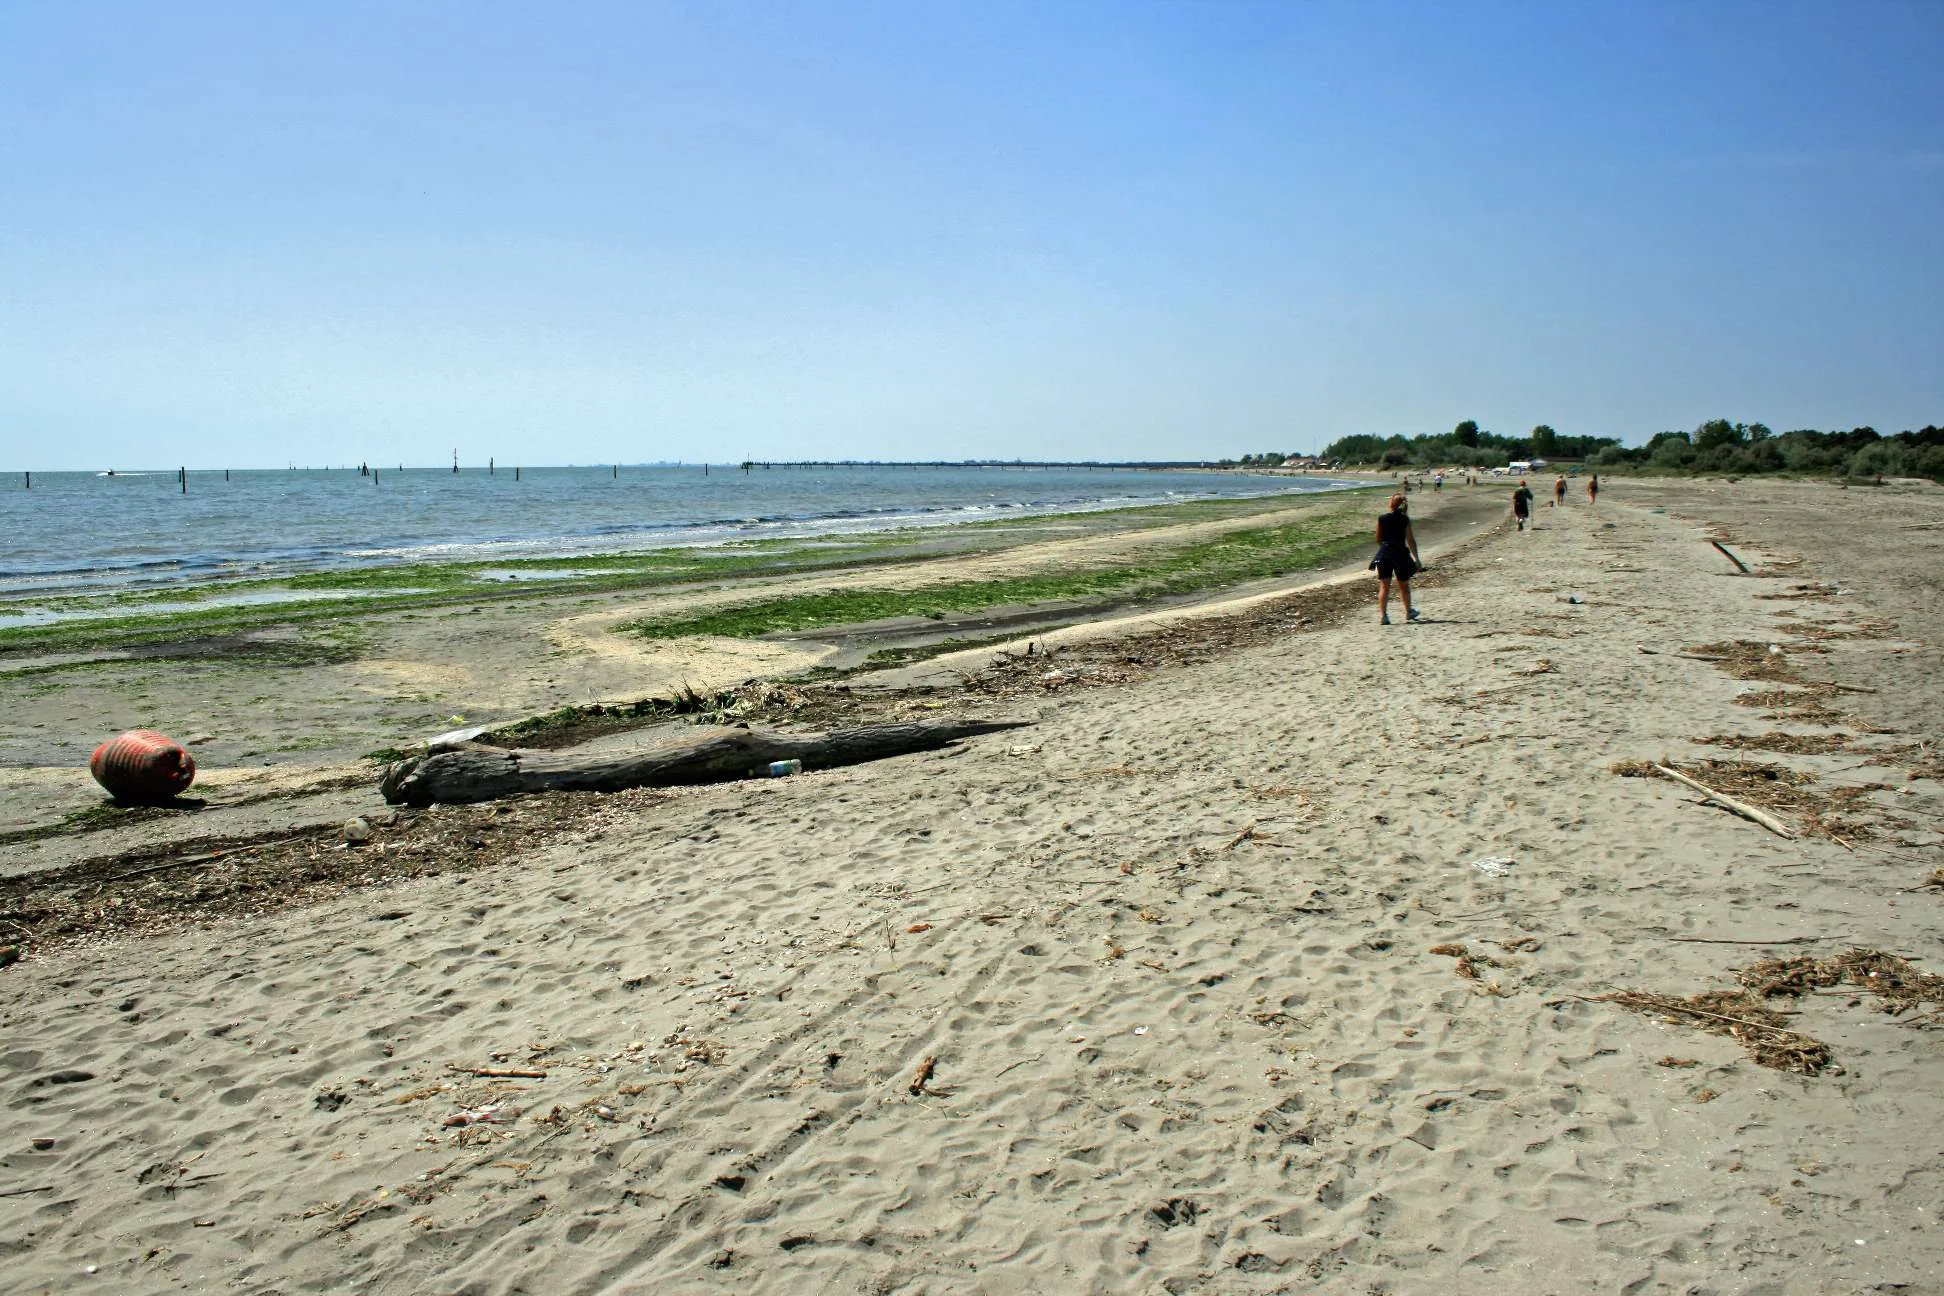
(475, 772)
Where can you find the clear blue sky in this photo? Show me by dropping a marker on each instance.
(252, 233)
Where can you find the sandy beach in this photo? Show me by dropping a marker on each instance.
(1284, 951)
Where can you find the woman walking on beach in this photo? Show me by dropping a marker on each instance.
(1593, 489)
(1397, 558)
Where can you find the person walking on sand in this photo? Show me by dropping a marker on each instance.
(1522, 504)
(1397, 558)
(1559, 490)
(1593, 489)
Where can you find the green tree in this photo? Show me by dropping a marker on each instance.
(1357, 448)
(1717, 433)
(1466, 433)
(1544, 439)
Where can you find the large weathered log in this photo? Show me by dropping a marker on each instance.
(479, 773)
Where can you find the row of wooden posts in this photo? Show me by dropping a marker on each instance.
(492, 469)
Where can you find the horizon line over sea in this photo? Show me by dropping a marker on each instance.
(734, 465)
(85, 532)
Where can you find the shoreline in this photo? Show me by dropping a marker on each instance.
(393, 585)
(562, 518)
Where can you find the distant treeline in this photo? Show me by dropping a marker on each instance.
(1717, 446)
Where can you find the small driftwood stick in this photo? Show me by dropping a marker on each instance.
(1241, 837)
(502, 1073)
(1725, 940)
(24, 1192)
(920, 1081)
(1729, 803)
(1726, 552)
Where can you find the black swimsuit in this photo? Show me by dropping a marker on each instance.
(1393, 554)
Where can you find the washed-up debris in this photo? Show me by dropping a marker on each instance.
(1806, 590)
(1742, 1017)
(1495, 865)
(1899, 985)
(1740, 566)
(1774, 741)
(720, 755)
(1744, 1014)
(491, 1114)
(1760, 791)
(156, 887)
(1469, 963)
(921, 1083)
(1729, 803)
(1745, 659)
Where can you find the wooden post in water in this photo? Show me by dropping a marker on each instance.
(489, 465)
(182, 475)
(617, 472)
(455, 461)
(225, 474)
(516, 474)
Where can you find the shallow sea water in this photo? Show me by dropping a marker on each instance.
(89, 533)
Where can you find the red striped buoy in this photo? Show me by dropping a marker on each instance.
(143, 766)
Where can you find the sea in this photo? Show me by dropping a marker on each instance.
(75, 533)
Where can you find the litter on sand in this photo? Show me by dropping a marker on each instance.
(1495, 865)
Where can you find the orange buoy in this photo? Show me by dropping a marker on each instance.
(143, 766)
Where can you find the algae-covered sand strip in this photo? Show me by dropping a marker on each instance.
(1237, 556)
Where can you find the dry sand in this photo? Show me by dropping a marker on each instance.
(1139, 999)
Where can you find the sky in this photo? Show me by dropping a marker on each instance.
(251, 234)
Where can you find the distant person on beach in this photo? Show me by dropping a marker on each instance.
(1593, 489)
(1522, 504)
(1397, 558)
(1559, 490)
